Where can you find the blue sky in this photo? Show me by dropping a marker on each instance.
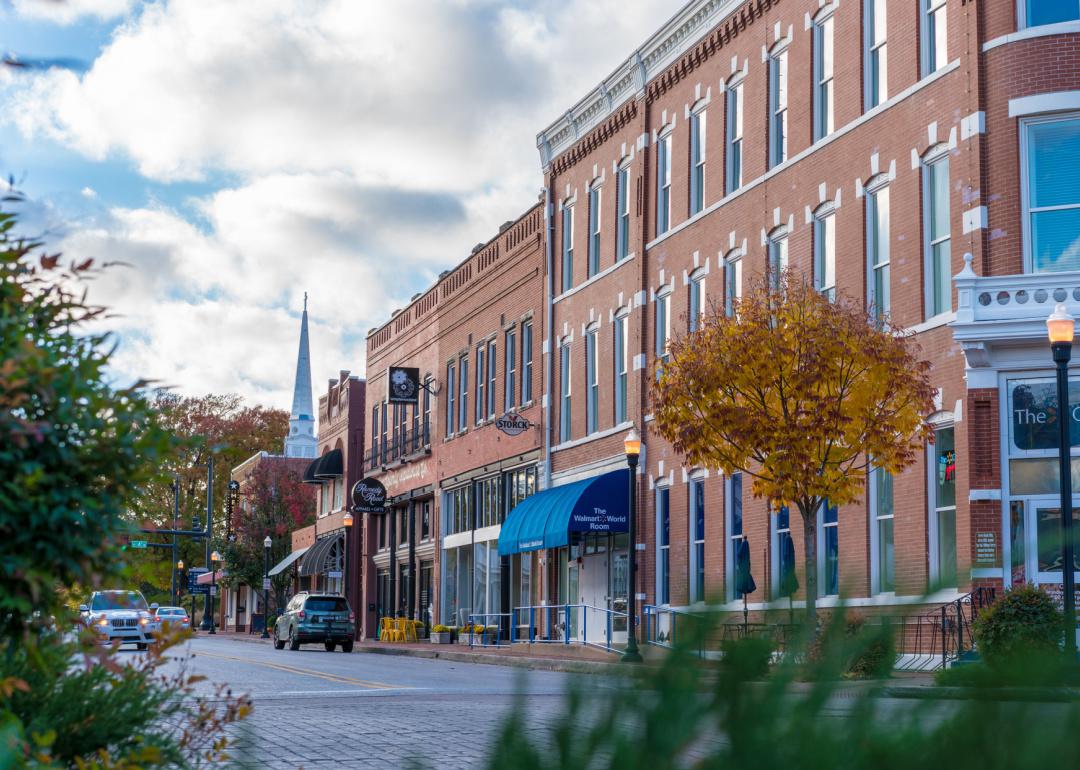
(236, 154)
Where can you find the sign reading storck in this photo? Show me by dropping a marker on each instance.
(368, 496)
(512, 424)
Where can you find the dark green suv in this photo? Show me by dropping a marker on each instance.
(310, 618)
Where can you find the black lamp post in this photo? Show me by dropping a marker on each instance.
(215, 558)
(347, 520)
(632, 446)
(266, 587)
(1060, 328)
(178, 577)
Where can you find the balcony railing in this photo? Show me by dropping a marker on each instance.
(1006, 298)
(398, 447)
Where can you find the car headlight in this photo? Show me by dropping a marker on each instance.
(144, 621)
(103, 621)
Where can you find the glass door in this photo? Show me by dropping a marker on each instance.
(1045, 529)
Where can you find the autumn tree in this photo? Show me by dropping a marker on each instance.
(802, 394)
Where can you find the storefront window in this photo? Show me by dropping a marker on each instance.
(785, 553)
(945, 505)
(883, 515)
(697, 497)
(1048, 531)
(620, 578)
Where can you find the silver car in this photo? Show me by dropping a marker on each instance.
(172, 617)
(120, 616)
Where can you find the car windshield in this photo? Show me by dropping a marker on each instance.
(326, 604)
(170, 611)
(118, 600)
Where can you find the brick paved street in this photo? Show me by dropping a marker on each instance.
(315, 709)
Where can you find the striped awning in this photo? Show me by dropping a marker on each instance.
(287, 562)
(315, 561)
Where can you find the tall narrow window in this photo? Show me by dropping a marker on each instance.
(881, 500)
(938, 235)
(935, 35)
(492, 366)
(663, 184)
(697, 302)
(943, 506)
(510, 370)
(451, 393)
(1053, 197)
(697, 162)
(526, 362)
(876, 64)
(1038, 12)
(785, 553)
(622, 206)
(829, 548)
(825, 253)
(481, 373)
(734, 137)
(385, 432)
(621, 345)
(778, 256)
(697, 552)
(375, 436)
(877, 249)
(429, 383)
(663, 545)
(663, 330)
(463, 394)
(823, 77)
(567, 248)
(734, 530)
(732, 282)
(564, 392)
(594, 231)
(778, 87)
(592, 389)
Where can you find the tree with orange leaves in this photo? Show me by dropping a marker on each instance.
(802, 394)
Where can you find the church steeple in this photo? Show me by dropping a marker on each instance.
(301, 440)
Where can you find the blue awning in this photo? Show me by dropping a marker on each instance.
(546, 519)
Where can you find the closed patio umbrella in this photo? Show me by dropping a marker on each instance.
(744, 580)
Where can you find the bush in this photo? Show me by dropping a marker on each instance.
(849, 646)
(439, 628)
(1024, 624)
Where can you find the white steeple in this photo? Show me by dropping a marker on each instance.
(301, 441)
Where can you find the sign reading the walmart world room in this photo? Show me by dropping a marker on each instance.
(597, 519)
(404, 385)
(512, 424)
(1034, 407)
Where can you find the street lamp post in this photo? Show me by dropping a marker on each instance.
(179, 576)
(632, 445)
(266, 587)
(348, 522)
(215, 557)
(1060, 328)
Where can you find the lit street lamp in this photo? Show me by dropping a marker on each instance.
(266, 587)
(1060, 328)
(632, 446)
(215, 558)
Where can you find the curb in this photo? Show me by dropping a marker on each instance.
(1025, 694)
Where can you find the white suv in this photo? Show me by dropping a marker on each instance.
(120, 615)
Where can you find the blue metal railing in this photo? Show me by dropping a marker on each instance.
(492, 624)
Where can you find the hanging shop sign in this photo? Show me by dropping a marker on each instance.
(512, 424)
(404, 385)
(368, 496)
(1034, 407)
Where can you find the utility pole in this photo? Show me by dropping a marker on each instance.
(209, 536)
(175, 525)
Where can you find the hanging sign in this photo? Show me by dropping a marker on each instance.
(404, 385)
(368, 496)
(512, 424)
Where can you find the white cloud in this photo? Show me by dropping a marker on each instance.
(69, 11)
(88, 192)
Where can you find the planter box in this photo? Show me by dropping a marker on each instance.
(440, 637)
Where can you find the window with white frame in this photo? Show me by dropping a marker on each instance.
(777, 246)
(823, 74)
(934, 28)
(1052, 195)
(622, 213)
(876, 54)
(663, 545)
(1039, 12)
(594, 230)
(663, 184)
(877, 249)
(385, 430)
(463, 395)
(375, 436)
(734, 519)
(734, 132)
(942, 507)
(429, 386)
(451, 394)
(510, 370)
(492, 365)
(732, 281)
(697, 545)
(481, 382)
(663, 328)
(828, 549)
(784, 577)
(825, 251)
(592, 387)
(564, 392)
(778, 99)
(697, 299)
(697, 161)
(567, 248)
(937, 234)
(883, 554)
(526, 362)
(621, 364)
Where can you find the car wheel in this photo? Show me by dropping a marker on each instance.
(329, 646)
(279, 643)
(294, 643)
(347, 646)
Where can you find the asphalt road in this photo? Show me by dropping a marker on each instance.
(318, 709)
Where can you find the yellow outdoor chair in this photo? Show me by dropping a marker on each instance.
(408, 628)
(389, 631)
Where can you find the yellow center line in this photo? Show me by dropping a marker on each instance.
(336, 678)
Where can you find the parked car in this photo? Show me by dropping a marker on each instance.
(167, 617)
(310, 618)
(120, 616)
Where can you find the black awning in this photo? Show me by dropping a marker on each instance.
(331, 465)
(314, 562)
(309, 472)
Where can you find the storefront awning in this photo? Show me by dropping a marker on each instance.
(309, 472)
(331, 465)
(285, 563)
(546, 519)
(314, 561)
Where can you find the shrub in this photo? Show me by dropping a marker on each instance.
(439, 628)
(849, 646)
(1024, 623)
